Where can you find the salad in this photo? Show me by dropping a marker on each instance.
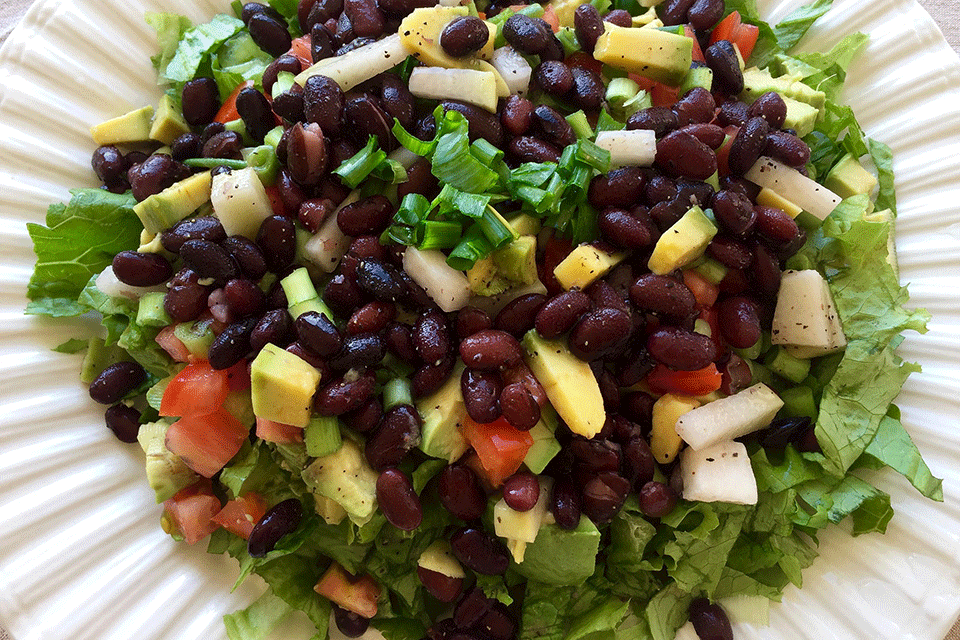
(568, 320)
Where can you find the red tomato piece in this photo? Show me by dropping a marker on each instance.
(711, 317)
(697, 51)
(690, 383)
(500, 446)
(703, 290)
(173, 345)
(551, 18)
(228, 110)
(358, 595)
(584, 61)
(300, 49)
(238, 376)
(278, 432)
(276, 202)
(240, 515)
(207, 443)
(196, 391)
(192, 510)
(735, 31)
(664, 95)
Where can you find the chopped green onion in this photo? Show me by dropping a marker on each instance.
(591, 154)
(397, 392)
(263, 160)
(412, 142)
(584, 227)
(603, 7)
(354, 170)
(454, 164)
(581, 127)
(210, 163)
(473, 246)
(273, 137)
(568, 38)
(497, 230)
(400, 234)
(469, 204)
(534, 174)
(486, 152)
(390, 171)
(606, 122)
(438, 234)
(413, 208)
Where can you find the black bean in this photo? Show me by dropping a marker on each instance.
(559, 314)
(398, 501)
(365, 17)
(460, 492)
(442, 587)
(359, 351)
(319, 334)
(638, 460)
(141, 269)
(603, 496)
(588, 26)
(705, 14)
(481, 123)
(289, 105)
(464, 35)
(662, 295)
(696, 106)
(116, 381)
(277, 239)
(247, 255)
(398, 433)
(471, 609)
(680, 349)
(306, 153)
(398, 337)
(481, 394)
(675, 11)
(186, 146)
(366, 118)
(733, 113)
(323, 103)
(200, 100)
(350, 624)
(369, 216)
(490, 349)
(735, 375)
(530, 149)
(256, 113)
(431, 376)
(186, 298)
(209, 260)
(371, 318)
(322, 43)
(321, 11)
(397, 100)
(620, 18)
(519, 407)
(709, 134)
(657, 499)
(286, 62)
(722, 58)
(232, 345)
(771, 107)
(553, 49)
(621, 229)
(730, 252)
(775, 224)
(710, 621)
(517, 114)
(280, 520)
(431, 336)
(765, 270)
(123, 421)
(634, 366)
(588, 89)
(783, 431)
(243, 298)
(739, 321)
(519, 315)
(787, 148)
(270, 34)
(553, 77)
(565, 504)
(660, 120)
(749, 144)
(526, 34)
(344, 395)
(381, 280)
(478, 550)
(554, 127)
(155, 174)
(225, 145)
(599, 333)
(471, 320)
(274, 327)
(111, 167)
(681, 154)
(734, 211)
(521, 491)
(248, 10)
(419, 180)
(200, 228)
(621, 187)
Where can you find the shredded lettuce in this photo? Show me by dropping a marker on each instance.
(259, 619)
(791, 29)
(197, 46)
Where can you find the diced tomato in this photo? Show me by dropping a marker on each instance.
(238, 376)
(690, 383)
(172, 344)
(554, 252)
(645, 83)
(550, 17)
(196, 391)
(697, 51)
(300, 49)
(663, 95)
(238, 516)
(228, 110)
(735, 31)
(711, 317)
(703, 290)
(584, 61)
(276, 202)
(278, 432)
(192, 510)
(500, 446)
(723, 153)
(358, 595)
(207, 443)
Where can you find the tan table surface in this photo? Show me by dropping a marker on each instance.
(945, 12)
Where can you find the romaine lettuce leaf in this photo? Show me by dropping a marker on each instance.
(544, 612)
(259, 619)
(892, 447)
(197, 46)
(170, 28)
(791, 29)
(883, 160)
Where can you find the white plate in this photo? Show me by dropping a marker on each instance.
(81, 555)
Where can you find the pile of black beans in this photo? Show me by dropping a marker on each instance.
(624, 324)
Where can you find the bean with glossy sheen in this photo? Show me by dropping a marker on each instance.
(765, 270)
(710, 621)
(286, 62)
(478, 550)
(398, 433)
(775, 224)
(359, 351)
(787, 148)
(116, 381)
(369, 216)
(281, 519)
(186, 298)
(680, 349)
(471, 320)
(200, 99)
(365, 17)
(381, 280)
(517, 115)
(225, 145)
(722, 58)
(565, 504)
(111, 167)
(603, 496)
(202, 228)
(154, 174)
(621, 187)
(209, 260)
(490, 349)
(431, 336)
(123, 421)
(243, 298)
(553, 126)
(734, 211)
(526, 34)
(256, 113)
(747, 147)
(553, 77)
(399, 339)
(662, 295)
(247, 256)
(323, 103)
(519, 315)
(599, 333)
(481, 394)
(588, 89)
(771, 107)
(398, 501)
(350, 624)
(344, 395)
(675, 11)
(730, 252)
(460, 492)
(431, 377)
(733, 112)
(141, 269)
(696, 106)
(739, 321)
(709, 134)
(319, 334)
(277, 239)
(681, 154)
(480, 122)
(705, 14)
(471, 609)
(464, 35)
(274, 327)
(269, 34)
(660, 120)
(231, 345)
(521, 491)
(560, 312)
(588, 26)
(657, 499)
(638, 460)
(530, 149)
(519, 406)
(306, 153)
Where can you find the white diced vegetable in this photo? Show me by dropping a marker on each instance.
(240, 202)
(329, 244)
(686, 632)
(439, 557)
(514, 69)
(805, 318)
(637, 147)
(730, 417)
(404, 156)
(520, 528)
(359, 65)
(789, 183)
(109, 285)
(721, 473)
(468, 85)
(446, 286)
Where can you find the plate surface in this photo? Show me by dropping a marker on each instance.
(82, 556)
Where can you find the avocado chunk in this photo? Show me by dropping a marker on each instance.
(545, 446)
(130, 127)
(848, 178)
(196, 336)
(513, 265)
(665, 443)
(560, 557)
(420, 34)
(347, 479)
(439, 557)
(757, 82)
(770, 198)
(585, 265)
(651, 53)
(98, 357)
(331, 512)
(570, 384)
(168, 123)
(442, 413)
(167, 473)
(165, 209)
(682, 243)
(282, 386)
(801, 117)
